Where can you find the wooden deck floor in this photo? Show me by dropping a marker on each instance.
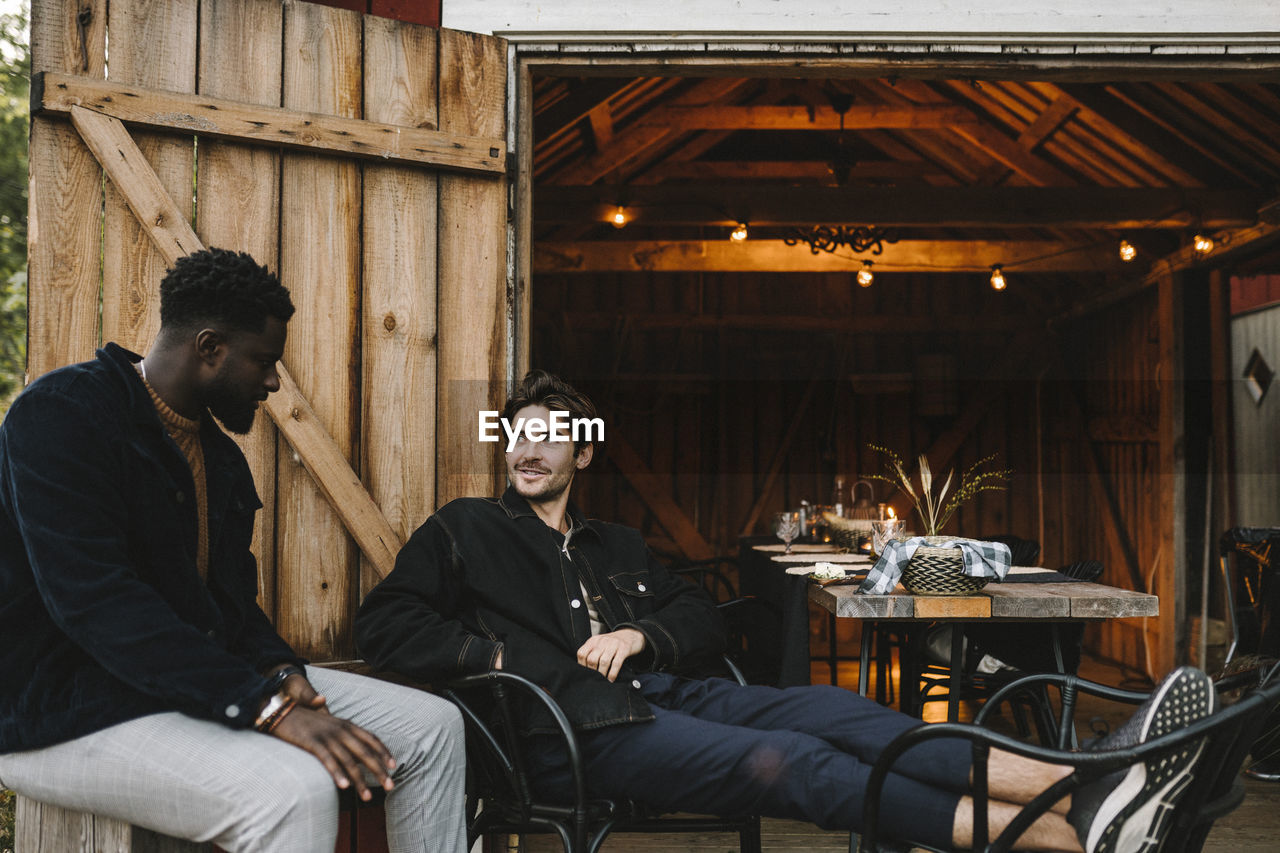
(1253, 828)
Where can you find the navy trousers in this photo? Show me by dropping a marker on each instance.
(803, 753)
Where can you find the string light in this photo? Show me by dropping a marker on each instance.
(1203, 245)
(739, 234)
(619, 217)
(1127, 251)
(997, 278)
(865, 275)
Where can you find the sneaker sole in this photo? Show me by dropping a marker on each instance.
(1133, 817)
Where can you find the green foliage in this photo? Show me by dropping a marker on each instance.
(15, 85)
(7, 800)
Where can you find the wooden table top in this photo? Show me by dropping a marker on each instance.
(996, 601)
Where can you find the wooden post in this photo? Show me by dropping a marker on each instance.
(151, 45)
(64, 219)
(399, 297)
(473, 299)
(238, 204)
(320, 264)
(1170, 581)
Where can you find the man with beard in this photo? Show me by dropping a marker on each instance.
(140, 678)
(526, 583)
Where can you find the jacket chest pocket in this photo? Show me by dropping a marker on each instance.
(635, 590)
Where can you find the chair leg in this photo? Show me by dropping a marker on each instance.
(749, 837)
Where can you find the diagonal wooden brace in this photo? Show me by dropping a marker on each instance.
(173, 236)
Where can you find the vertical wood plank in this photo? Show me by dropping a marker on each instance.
(238, 202)
(472, 269)
(320, 264)
(524, 220)
(399, 285)
(64, 215)
(152, 45)
(1170, 581)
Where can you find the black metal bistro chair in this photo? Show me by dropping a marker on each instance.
(502, 797)
(1215, 790)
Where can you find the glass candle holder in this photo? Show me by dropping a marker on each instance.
(883, 530)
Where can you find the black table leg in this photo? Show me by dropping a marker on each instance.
(864, 655)
(957, 674)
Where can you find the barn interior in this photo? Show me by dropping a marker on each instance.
(856, 304)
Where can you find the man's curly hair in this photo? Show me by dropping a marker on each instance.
(540, 388)
(222, 288)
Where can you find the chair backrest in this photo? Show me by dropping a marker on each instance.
(1251, 565)
(1023, 552)
(1215, 788)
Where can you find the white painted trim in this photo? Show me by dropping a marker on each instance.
(993, 24)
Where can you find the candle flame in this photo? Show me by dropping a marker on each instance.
(891, 513)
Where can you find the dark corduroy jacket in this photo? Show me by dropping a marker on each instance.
(103, 617)
(487, 575)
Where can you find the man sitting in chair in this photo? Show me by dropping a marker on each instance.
(526, 583)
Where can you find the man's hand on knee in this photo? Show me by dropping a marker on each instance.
(605, 653)
(345, 749)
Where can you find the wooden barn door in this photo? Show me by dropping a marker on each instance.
(364, 160)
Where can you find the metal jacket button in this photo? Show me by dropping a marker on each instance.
(232, 712)
(636, 684)
(575, 603)
(640, 587)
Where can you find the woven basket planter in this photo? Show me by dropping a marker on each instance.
(937, 571)
(847, 533)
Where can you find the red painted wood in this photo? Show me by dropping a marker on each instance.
(413, 11)
(1254, 291)
(410, 11)
(353, 5)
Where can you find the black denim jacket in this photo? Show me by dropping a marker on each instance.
(487, 575)
(103, 617)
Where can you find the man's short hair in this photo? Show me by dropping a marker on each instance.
(219, 288)
(539, 388)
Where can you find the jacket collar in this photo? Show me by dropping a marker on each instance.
(122, 362)
(517, 507)
(141, 409)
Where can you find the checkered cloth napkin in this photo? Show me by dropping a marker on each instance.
(981, 560)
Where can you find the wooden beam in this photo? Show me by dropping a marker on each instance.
(296, 129)
(1007, 150)
(954, 207)
(1228, 246)
(652, 490)
(1170, 580)
(637, 141)
(776, 256)
(795, 170)
(875, 116)
(887, 324)
(110, 142)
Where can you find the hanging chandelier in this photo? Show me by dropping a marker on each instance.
(831, 238)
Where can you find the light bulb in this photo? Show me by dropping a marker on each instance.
(740, 233)
(997, 278)
(1202, 244)
(619, 217)
(1127, 251)
(865, 275)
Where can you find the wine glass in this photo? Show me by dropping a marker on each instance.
(787, 526)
